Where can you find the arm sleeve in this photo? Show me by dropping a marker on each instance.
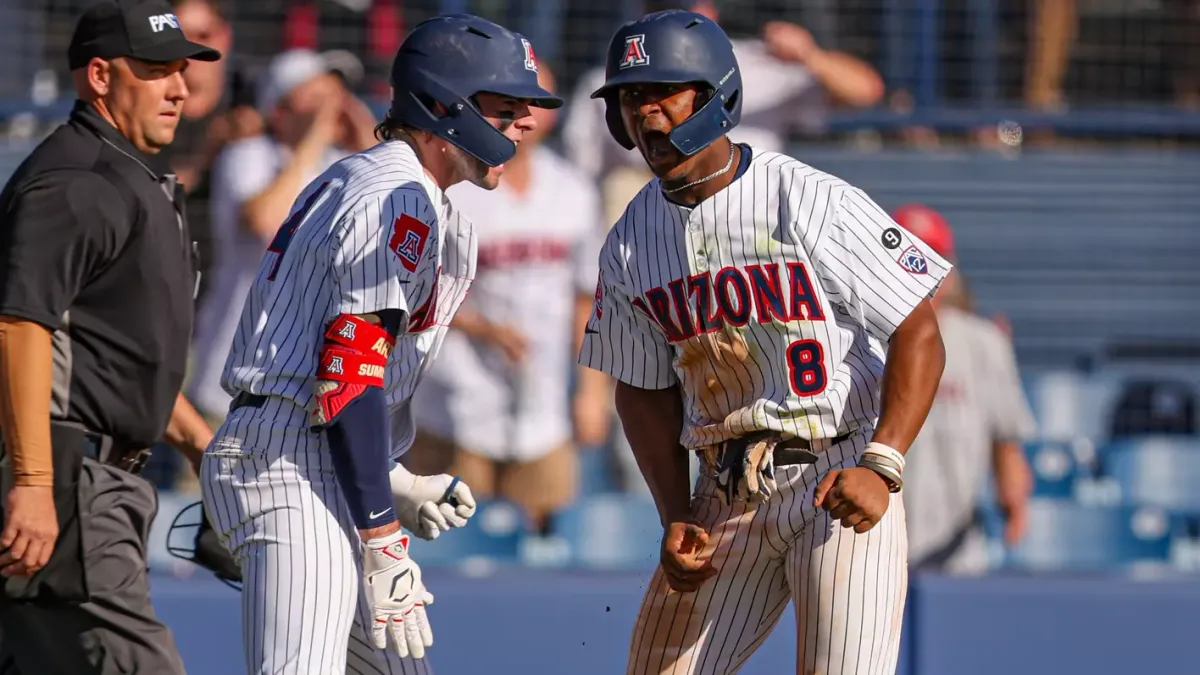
(1009, 414)
(620, 339)
(58, 232)
(872, 267)
(387, 254)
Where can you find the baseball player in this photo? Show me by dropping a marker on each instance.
(979, 417)
(350, 302)
(738, 296)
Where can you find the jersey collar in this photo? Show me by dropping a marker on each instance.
(743, 165)
(86, 116)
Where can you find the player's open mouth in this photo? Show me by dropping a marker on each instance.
(657, 145)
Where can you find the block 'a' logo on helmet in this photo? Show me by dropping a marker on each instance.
(530, 57)
(635, 52)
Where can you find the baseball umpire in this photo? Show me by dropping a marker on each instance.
(96, 290)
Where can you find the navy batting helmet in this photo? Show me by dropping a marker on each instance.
(450, 59)
(675, 47)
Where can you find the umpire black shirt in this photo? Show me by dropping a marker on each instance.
(94, 246)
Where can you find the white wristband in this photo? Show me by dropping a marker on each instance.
(886, 452)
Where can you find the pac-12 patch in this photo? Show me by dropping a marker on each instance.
(408, 241)
(914, 261)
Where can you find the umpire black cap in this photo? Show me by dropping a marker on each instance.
(147, 30)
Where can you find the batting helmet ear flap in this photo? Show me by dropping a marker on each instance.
(707, 124)
(616, 125)
(461, 120)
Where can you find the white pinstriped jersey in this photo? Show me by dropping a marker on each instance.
(373, 232)
(759, 302)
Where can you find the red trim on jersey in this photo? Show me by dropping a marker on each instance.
(361, 336)
(426, 315)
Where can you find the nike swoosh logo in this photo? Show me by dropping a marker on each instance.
(374, 515)
(590, 331)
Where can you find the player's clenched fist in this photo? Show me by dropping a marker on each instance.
(681, 548)
(430, 505)
(393, 585)
(858, 497)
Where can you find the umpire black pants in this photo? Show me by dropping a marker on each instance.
(117, 630)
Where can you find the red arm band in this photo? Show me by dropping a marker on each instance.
(360, 335)
(353, 358)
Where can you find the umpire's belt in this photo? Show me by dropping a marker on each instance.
(106, 450)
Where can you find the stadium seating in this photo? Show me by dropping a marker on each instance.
(611, 532)
(1055, 468)
(1156, 471)
(1066, 535)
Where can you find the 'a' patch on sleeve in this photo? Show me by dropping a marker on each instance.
(408, 241)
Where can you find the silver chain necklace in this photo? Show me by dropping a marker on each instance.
(706, 178)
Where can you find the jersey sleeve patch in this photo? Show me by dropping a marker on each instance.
(913, 261)
(409, 236)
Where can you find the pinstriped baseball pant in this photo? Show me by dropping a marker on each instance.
(848, 589)
(283, 516)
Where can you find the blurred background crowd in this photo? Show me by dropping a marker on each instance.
(1045, 145)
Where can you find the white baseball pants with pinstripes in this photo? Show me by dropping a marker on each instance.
(848, 589)
(282, 515)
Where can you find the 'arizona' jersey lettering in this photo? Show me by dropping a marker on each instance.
(760, 302)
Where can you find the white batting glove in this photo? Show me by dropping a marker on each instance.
(430, 505)
(393, 586)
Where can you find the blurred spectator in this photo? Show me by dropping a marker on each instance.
(980, 413)
(495, 408)
(790, 83)
(217, 111)
(370, 30)
(312, 121)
